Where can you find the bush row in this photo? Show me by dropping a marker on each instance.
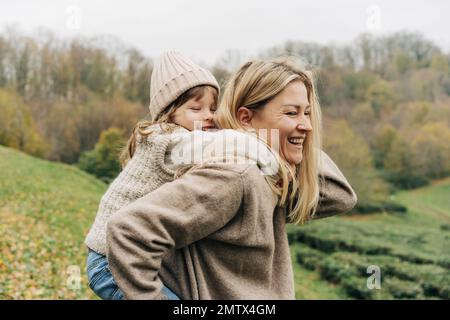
(400, 280)
(367, 244)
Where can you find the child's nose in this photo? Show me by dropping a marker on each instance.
(208, 115)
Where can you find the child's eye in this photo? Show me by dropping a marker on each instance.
(196, 108)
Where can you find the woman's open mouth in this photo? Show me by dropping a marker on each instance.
(297, 142)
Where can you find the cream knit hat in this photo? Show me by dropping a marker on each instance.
(173, 74)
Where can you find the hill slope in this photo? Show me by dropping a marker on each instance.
(46, 209)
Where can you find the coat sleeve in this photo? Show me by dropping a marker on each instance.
(336, 194)
(178, 213)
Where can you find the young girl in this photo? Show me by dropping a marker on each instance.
(183, 95)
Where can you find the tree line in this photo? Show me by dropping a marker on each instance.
(385, 100)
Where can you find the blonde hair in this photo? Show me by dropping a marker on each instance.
(253, 86)
(164, 120)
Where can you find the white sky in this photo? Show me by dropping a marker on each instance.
(205, 29)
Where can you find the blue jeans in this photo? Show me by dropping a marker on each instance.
(102, 282)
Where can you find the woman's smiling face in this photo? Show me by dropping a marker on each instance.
(289, 112)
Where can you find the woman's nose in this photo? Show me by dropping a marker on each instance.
(304, 124)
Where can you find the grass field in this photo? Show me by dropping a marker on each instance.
(46, 209)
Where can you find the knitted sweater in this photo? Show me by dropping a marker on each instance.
(144, 173)
(159, 155)
(214, 233)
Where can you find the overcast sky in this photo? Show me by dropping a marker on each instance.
(204, 29)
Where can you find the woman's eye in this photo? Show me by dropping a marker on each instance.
(291, 113)
(196, 108)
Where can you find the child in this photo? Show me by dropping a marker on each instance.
(182, 95)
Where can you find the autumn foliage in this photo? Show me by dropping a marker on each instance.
(385, 100)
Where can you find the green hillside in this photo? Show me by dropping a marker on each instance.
(411, 249)
(46, 209)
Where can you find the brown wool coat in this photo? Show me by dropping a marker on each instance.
(215, 233)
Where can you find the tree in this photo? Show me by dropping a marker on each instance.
(407, 116)
(22, 69)
(103, 160)
(331, 87)
(226, 64)
(137, 77)
(382, 143)
(365, 45)
(381, 97)
(351, 153)
(440, 62)
(403, 63)
(4, 49)
(363, 121)
(399, 165)
(431, 150)
(17, 128)
(357, 84)
(61, 133)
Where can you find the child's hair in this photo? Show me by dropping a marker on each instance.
(164, 120)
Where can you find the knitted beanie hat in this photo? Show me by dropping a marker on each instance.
(173, 74)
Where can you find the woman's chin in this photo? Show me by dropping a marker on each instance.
(293, 154)
(295, 160)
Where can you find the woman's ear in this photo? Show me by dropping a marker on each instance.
(244, 116)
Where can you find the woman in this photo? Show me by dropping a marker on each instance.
(218, 231)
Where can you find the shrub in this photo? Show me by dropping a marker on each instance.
(103, 160)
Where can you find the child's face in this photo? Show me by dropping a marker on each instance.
(198, 111)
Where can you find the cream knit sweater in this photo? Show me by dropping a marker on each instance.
(157, 158)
